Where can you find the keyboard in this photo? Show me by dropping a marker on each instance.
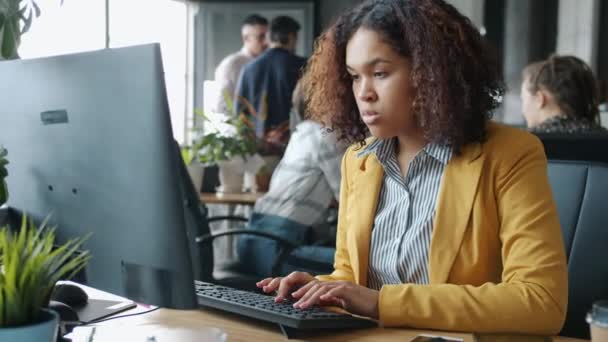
(263, 307)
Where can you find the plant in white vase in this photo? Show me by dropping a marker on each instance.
(227, 141)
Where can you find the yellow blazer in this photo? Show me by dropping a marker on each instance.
(497, 261)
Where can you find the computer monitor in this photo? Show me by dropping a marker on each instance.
(90, 142)
(575, 146)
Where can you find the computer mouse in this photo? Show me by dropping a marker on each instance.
(69, 294)
(66, 312)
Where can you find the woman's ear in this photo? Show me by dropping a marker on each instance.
(541, 98)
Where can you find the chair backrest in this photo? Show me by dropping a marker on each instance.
(580, 190)
(195, 219)
(569, 146)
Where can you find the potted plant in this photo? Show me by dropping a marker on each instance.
(227, 141)
(262, 178)
(30, 266)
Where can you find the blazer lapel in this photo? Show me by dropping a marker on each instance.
(363, 210)
(453, 210)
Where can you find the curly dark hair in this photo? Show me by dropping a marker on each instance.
(570, 81)
(457, 77)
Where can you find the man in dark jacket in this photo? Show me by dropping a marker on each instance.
(267, 83)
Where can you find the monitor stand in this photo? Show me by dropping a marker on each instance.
(288, 332)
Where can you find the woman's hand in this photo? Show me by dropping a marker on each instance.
(355, 299)
(284, 285)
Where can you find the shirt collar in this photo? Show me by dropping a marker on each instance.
(442, 153)
(385, 148)
(370, 148)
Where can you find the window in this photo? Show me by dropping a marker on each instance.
(74, 27)
(78, 26)
(134, 22)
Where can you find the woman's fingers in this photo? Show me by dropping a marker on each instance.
(339, 292)
(331, 301)
(313, 295)
(308, 291)
(302, 290)
(287, 284)
(263, 282)
(273, 285)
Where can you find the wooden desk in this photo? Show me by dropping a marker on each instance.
(240, 328)
(245, 198)
(243, 329)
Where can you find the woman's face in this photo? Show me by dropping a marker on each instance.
(382, 85)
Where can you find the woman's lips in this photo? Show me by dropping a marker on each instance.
(370, 117)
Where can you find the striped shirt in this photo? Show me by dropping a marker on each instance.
(307, 179)
(403, 224)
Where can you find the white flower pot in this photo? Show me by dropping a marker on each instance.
(231, 174)
(44, 331)
(196, 172)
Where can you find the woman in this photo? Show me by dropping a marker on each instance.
(446, 220)
(560, 95)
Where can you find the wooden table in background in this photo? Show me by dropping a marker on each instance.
(245, 198)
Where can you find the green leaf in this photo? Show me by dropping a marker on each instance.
(229, 103)
(37, 9)
(27, 22)
(187, 155)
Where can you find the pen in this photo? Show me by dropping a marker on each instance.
(91, 335)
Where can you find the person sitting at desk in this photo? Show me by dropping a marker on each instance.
(446, 220)
(302, 187)
(560, 95)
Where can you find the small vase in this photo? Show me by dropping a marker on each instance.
(263, 182)
(231, 175)
(43, 331)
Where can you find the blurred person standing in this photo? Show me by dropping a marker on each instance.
(265, 86)
(253, 34)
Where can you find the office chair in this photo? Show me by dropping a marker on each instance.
(292, 255)
(580, 189)
(579, 146)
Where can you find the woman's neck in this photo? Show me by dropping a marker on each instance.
(407, 148)
(548, 112)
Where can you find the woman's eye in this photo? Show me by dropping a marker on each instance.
(380, 74)
(354, 77)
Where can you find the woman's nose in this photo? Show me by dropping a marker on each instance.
(366, 92)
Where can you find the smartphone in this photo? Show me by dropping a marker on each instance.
(432, 338)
